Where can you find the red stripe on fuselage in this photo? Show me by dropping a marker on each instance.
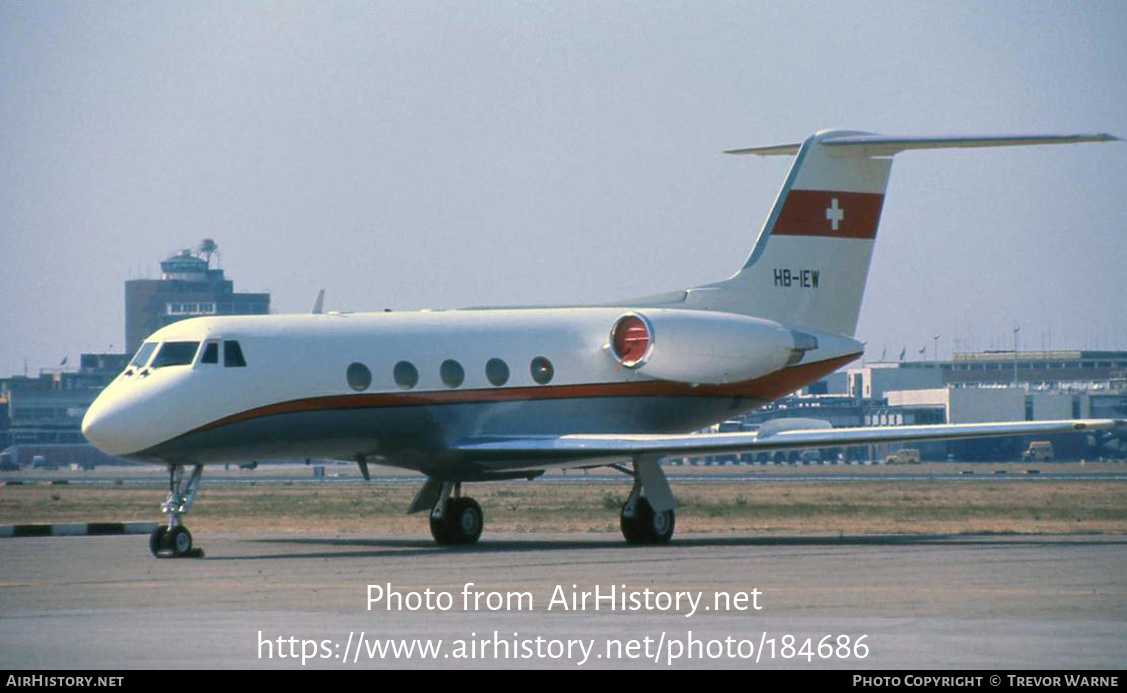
(767, 388)
(814, 212)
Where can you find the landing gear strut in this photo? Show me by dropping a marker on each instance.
(648, 517)
(174, 540)
(456, 519)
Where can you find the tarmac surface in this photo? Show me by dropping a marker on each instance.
(1015, 602)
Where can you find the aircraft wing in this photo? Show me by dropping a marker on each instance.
(579, 447)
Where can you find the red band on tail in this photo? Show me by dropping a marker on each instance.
(830, 214)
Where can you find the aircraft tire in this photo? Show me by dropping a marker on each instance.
(462, 522)
(180, 541)
(440, 529)
(647, 527)
(466, 520)
(157, 540)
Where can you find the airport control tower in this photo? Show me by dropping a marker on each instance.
(188, 287)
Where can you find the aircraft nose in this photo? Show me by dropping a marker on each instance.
(106, 426)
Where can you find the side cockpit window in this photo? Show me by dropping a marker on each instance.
(233, 355)
(176, 354)
(210, 353)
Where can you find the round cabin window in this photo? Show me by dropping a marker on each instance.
(406, 375)
(542, 370)
(451, 373)
(497, 372)
(358, 376)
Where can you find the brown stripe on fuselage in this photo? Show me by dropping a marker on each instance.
(767, 388)
(804, 214)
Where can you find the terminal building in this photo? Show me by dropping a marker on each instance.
(188, 287)
(1038, 370)
(41, 416)
(970, 388)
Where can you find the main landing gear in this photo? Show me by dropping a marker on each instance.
(174, 540)
(641, 524)
(647, 516)
(456, 519)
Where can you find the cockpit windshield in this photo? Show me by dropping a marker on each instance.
(143, 355)
(175, 354)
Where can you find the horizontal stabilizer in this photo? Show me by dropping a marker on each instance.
(769, 150)
(887, 145)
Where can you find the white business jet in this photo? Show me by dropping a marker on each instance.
(486, 394)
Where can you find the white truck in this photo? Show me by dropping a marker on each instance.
(904, 456)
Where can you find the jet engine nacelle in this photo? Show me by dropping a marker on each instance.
(703, 347)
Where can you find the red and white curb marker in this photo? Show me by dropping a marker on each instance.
(77, 529)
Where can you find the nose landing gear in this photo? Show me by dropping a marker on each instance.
(174, 540)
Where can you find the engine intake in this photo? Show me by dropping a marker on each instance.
(630, 340)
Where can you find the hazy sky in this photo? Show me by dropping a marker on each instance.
(426, 155)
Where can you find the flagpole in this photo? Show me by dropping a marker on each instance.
(1016, 330)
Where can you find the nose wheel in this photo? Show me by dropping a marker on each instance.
(174, 543)
(174, 540)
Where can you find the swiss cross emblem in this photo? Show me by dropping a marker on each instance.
(834, 214)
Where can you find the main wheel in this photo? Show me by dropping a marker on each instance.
(157, 540)
(440, 528)
(180, 540)
(461, 523)
(647, 526)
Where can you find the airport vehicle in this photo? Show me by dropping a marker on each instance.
(484, 394)
(904, 456)
(1038, 451)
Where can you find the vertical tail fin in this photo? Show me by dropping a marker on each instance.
(811, 260)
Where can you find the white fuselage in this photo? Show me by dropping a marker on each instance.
(295, 398)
